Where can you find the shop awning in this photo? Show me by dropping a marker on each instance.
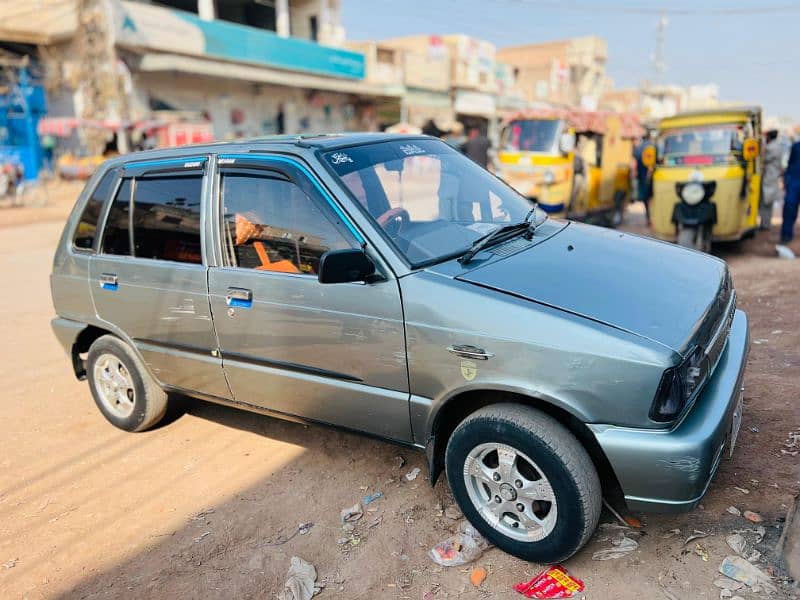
(64, 126)
(158, 62)
(478, 104)
(428, 99)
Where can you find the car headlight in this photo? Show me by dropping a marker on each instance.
(693, 193)
(549, 176)
(678, 386)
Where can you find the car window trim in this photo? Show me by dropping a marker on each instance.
(203, 171)
(274, 158)
(262, 163)
(102, 238)
(101, 218)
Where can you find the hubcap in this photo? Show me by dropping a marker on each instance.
(510, 492)
(114, 385)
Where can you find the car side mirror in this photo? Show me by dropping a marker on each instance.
(345, 266)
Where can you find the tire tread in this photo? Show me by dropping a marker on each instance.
(563, 443)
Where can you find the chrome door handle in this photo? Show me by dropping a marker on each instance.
(108, 281)
(467, 351)
(241, 297)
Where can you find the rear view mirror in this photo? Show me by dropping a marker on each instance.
(567, 142)
(345, 266)
(750, 149)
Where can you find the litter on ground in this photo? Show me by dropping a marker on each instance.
(354, 513)
(555, 582)
(737, 543)
(739, 569)
(463, 547)
(620, 546)
(753, 517)
(300, 581)
(477, 577)
(367, 500)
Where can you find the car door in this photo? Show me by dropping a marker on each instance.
(334, 353)
(148, 279)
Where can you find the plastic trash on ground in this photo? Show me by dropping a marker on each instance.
(555, 582)
(300, 581)
(353, 513)
(460, 548)
(620, 546)
(367, 500)
(739, 569)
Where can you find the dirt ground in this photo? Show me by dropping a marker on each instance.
(207, 505)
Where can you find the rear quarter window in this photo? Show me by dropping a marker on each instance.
(86, 234)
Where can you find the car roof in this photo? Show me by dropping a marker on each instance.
(329, 141)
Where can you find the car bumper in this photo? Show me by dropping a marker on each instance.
(67, 331)
(670, 471)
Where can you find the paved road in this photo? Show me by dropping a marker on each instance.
(202, 506)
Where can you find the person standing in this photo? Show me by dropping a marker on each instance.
(477, 147)
(771, 187)
(644, 174)
(791, 202)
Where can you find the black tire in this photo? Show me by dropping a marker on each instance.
(149, 400)
(561, 459)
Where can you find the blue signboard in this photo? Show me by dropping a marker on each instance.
(236, 42)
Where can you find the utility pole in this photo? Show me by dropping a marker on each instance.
(659, 62)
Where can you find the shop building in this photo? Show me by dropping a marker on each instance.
(568, 72)
(425, 63)
(247, 67)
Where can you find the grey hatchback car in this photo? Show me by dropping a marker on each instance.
(388, 285)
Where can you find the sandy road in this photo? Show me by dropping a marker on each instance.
(200, 506)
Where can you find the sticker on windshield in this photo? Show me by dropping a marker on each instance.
(411, 149)
(339, 158)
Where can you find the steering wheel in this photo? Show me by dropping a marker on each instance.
(394, 220)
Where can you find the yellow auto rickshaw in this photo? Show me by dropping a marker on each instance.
(573, 163)
(707, 176)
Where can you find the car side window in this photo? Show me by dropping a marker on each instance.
(117, 237)
(270, 224)
(86, 231)
(166, 218)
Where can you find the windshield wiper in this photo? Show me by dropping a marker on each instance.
(503, 232)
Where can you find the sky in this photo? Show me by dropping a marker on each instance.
(750, 48)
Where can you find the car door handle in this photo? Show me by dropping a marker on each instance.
(108, 281)
(466, 351)
(239, 297)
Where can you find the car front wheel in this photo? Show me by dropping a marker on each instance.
(122, 388)
(524, 481)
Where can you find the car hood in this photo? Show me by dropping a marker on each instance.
(649, 288)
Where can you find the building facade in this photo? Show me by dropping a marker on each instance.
(247, 67)
(569, 72)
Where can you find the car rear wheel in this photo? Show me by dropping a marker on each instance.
(123, 390)
(524, 481)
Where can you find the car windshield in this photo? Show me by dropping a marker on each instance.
(531, 135)
(431, 200)
(706, 144)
